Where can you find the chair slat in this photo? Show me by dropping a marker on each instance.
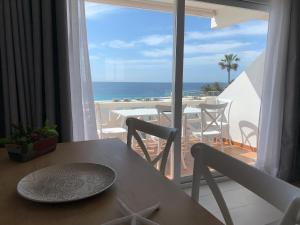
(141, 144)
(166, 133)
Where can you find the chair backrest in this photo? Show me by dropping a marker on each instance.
(280, 194)
(164, 111)
(249, 131)
(135, 125)
(228, 107)
(211, 114)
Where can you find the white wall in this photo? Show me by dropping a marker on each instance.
(245, 92)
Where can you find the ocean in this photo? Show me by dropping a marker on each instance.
(137, 90)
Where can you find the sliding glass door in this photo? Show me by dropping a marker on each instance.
(179, 54)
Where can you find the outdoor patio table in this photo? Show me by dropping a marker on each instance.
(138, 184)
(142, 112)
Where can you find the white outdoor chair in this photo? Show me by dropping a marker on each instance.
(111, 132)
(164, 118)
(226, 122)
(136, 125)
(164, 113)
(212, 100)
(212, 118)
(280, 194)
(248, 131)
(108, 129)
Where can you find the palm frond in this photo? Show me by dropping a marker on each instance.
(229, 62)
(234, 66)
(222, 65)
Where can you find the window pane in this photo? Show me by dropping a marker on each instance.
(223, 64)
(131, 62)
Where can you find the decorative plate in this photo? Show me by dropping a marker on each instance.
(66, 183)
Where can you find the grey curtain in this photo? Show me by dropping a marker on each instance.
(34, 73)
(2, 128)
(289, 163)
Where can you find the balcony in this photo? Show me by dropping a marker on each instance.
(240, 141)
(108, 111)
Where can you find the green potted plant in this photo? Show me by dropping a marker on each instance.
(25, 144)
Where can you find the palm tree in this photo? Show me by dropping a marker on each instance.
(229, 62)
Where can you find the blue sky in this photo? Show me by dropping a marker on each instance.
(135, 45)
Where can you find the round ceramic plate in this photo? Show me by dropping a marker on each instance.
(66, 183)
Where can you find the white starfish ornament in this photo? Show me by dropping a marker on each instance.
(134, 218)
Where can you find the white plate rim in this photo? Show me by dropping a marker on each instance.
(70, 200)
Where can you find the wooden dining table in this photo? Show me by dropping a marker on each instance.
(138, 184)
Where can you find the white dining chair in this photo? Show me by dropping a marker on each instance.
(135, 126)
(212, 118)
(226, 118)
(164, 114)
(109, 128)
(278, 193)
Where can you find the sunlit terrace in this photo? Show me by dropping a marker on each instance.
(238, 136)
(115, 113)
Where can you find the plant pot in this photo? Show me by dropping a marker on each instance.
(23, 153)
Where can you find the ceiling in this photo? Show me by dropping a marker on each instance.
(223, 13)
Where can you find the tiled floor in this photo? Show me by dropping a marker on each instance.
(245, 207)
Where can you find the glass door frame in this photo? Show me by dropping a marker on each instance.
(177, 86)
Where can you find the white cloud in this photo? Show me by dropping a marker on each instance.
(208, 48)
(157, 53)
(249, 55)
(118, 44)
(203, 60)
(139, 64)
(95, 10)
(94, 57)
(259, 28)
(93, 46)
(156, 39)
(151, 40)
(246, 57)
(138, 61)
(217, 47)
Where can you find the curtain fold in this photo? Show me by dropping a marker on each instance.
(272, 101)
(289, 163)
(2, 122)
(278, 144)
(34, 69)
(83, 109)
